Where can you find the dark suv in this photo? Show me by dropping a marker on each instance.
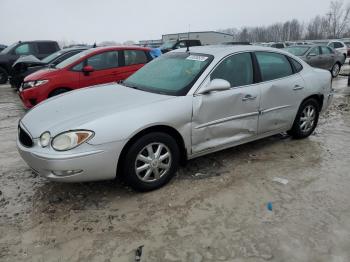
(172, 45)
(27, 65)
(10, 54)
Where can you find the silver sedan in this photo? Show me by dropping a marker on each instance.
(319, 56)
(180, 106)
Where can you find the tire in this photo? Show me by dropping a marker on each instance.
(305, 121)
(139, 155)
(3, 76)
(335, 70)
(58, 92)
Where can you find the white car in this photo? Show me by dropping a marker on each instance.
(340, 46)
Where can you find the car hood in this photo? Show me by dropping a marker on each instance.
(27, 60)
(71, 110)
(42, 74)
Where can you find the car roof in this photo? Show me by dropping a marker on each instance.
(224, 50)
(106, 48)
(75, 48)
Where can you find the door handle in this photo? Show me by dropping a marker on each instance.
(249, 97)
(298, 87)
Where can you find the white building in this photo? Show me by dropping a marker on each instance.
(206, 37)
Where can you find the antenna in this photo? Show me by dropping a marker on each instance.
(188, 39)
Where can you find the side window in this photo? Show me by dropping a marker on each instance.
(135, 57)
(236, 69)
(338, 45)
(331, 45)
(78, 67)
(298, 67)
(104, 60)
(23, 49)
(326, 50)
(46, 48)
(194, 43)
(273, 65)
(315, 51)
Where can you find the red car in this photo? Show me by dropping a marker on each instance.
(91, 67)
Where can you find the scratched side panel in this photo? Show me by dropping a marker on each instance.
(279, 103)
(221, 118)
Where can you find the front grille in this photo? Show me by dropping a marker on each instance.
(24, 137)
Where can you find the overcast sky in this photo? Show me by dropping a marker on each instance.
(121, 20)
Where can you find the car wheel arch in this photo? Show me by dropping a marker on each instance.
(318, 97)
(157, 128)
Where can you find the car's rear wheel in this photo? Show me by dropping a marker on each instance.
(151, 161)
(3, 76)
(58, 92)
(306, 119)
(335, 70)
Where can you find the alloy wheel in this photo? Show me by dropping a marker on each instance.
(335, 70)
(153, 162)
(307, 119)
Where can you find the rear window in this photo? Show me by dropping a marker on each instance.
(297, 66)
(135, 57)
(273, 65)
(47, 48)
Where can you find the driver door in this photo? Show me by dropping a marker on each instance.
(226, 117)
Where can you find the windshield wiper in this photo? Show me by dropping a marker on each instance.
(128, 85)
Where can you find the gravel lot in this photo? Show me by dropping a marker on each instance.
(214, 210)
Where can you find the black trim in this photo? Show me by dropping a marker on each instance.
(24, 138)
(256, 69)
(295, 71)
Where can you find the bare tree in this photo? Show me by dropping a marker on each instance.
(338, 18)
(334, 24)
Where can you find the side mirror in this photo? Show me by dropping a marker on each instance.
(215, 85)
(88, 69)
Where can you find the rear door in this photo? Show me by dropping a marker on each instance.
(45, 49)
(282, 90)
(106, 69)
(314, 58)
(328, 57)
(132, 60)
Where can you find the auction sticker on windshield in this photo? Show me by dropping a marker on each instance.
(197, 58)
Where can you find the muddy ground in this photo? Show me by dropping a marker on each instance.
(214, 210)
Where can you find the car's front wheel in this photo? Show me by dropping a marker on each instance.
(306, 119)
(151, 161)
(335, 70)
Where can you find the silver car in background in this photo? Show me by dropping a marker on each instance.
(180, 106)
(320, 56)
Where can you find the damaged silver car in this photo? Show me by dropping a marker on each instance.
(180, 106)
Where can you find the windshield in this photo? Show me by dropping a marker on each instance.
(168, 45)
(297, 50)
(170, 74)
(51, 57)
(7, 49)
(73, 59)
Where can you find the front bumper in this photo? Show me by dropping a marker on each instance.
(96, 162)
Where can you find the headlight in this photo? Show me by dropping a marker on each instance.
(71, 139)
(45, 139)
(34, 83)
